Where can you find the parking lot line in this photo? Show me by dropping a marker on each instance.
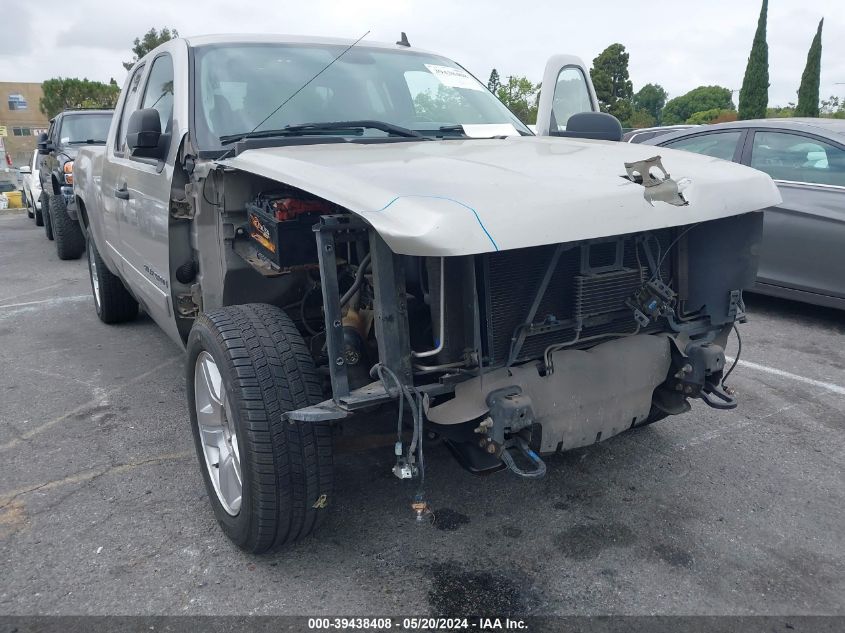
(100, 395)
(31, 292)
(7, 497)
(829, 386)
(50, 301)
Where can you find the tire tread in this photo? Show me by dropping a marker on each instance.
(70, 240)
(291, 465)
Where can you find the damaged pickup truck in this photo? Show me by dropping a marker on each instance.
(327, 226)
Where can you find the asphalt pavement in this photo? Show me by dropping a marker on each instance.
(103, 509)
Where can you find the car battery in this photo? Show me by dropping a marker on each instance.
(280, 224)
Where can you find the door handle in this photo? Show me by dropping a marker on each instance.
(122, 193)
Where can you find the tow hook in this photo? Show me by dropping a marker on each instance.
(510, 412)
(697, 373)
(717, 396)
(522, 446)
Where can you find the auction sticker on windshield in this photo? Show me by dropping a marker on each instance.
(454, 77)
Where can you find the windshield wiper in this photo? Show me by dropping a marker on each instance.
(90, 141)
(326, 127)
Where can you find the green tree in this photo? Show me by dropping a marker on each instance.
(780, 112)
(808, 92)
(641, 118)
(833, 107)
(714, 115)
(754, 94)
(494, 83)
(520, 94)
(612, 82)
(69, 93)
(700, 99)
(651, 98)
(148, 42)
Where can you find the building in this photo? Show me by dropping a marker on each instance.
(21, 120)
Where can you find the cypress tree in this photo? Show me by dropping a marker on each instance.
(754, 94)
(808, 92)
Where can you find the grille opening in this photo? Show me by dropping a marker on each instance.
(508, 283)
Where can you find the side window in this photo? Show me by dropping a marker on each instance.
(571, 95)
(798, 158)
(159, 91)
(718, 145)
(130, 104)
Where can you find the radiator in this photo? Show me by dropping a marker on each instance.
(591, 282)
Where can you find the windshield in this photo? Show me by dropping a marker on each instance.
(237, 86)
(84, 128)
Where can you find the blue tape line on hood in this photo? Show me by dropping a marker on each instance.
(466, 206)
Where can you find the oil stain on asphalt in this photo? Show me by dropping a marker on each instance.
(449, 520)
(454, 590)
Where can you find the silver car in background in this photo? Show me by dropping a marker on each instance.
(803, 252)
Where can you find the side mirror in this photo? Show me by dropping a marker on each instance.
(595, 125)
(42, 144)
(143, 134)
(24, 169)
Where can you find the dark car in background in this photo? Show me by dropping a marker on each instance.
(803, 250)
(641, 135)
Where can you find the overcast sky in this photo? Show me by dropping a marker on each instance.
(677, 44)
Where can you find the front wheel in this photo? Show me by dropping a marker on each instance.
(269, 480)
(70, 241)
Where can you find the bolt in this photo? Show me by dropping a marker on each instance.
(679, 387)
(688, 389)
(336, 323)
(491, 448)
(339, 361)
(328, 248)
(481, 443)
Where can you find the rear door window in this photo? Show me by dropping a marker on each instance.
(798, 158)
(716, 144)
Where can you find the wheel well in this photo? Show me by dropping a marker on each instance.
(56, 188)
(82, 212)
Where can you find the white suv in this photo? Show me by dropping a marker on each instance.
(32, 189)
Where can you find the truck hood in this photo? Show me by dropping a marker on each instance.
(460, 197)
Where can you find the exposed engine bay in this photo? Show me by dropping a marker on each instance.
(506, 355)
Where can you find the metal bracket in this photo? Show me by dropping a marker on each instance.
(662, 188)
(332, 310)
(186, 306)
(181, 208)
(735, 307)
(510, 409)
(391, 310)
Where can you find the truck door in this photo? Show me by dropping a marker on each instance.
(146, 184)
(112, 201)
(567, 90)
